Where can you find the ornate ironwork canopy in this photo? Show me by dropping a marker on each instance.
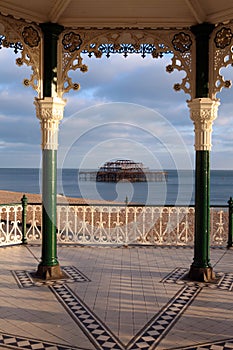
(105, 28)
(121, 13)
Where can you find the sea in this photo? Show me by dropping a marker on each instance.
(177, 190)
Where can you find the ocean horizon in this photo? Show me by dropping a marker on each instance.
(177, 190)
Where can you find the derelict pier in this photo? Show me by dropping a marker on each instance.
(123, 170)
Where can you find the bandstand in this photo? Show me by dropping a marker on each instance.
(52, 37)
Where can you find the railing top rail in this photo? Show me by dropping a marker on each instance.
(128, 205)
(9, 204)
(119, 205)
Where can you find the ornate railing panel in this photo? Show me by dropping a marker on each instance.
(136, 225)
(219, 226)
(10, 224)
(34, 220)
(113, 225)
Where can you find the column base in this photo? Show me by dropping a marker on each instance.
(49, 272)
(201, 274)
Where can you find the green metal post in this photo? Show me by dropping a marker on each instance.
(230, 223)
(49, 266)
(49, 190)
(202, 211)
(201, 269)
(24, 201)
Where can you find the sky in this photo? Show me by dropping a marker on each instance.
(126, 109)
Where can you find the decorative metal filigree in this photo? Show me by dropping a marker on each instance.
(71, 42)
(27, 41)
(221, 55)
(182, 42)
(223, 38)
(125, 49)
(31, 36)
(15, 46)
(103, 224)
(126, 41)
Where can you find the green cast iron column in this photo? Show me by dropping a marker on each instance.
(49, 191)
(49, 266)
(230, 223)
(202, 211)
(201, 268)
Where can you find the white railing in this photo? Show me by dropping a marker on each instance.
(124, 225)
(10, 224)
(113, 225)
(34, 220)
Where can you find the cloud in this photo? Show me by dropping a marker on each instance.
(133, 80)
(11, 74)
(96, 118)
(110, 130)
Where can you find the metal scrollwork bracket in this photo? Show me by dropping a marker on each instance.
(221, 55)
(183, 60)
(69, 50)
(75, 44)
(26, 39)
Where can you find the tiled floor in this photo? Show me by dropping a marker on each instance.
(115, 298)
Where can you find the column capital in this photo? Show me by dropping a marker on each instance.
(49, 111)
(50, 108)
(203, 111)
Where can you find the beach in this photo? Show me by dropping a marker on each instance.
(11, 197)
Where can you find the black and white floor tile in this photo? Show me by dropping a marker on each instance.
(104, 339)
(25, 279)
(226, 281)
(219, 345)
(95, 329)
(178, 275)
(92, 326)
(159, 325)
(12, 342)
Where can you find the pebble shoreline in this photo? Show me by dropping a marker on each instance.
(10, 197)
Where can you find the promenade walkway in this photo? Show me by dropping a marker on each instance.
(115, 298)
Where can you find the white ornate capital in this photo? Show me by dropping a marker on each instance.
(50, 111)
(203, 111)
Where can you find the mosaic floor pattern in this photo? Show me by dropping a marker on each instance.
(103, 338)
(178, 275)
(98, 332)
(220, 345)
(25, 279)
(12, 341)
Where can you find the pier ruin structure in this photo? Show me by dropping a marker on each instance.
(53, 36)
(123, 170)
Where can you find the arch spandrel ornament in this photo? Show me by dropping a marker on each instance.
(25, 38)
(221, 56)
(74, 44)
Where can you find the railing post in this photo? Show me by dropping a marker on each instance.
(230, 223)
(24, 201)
